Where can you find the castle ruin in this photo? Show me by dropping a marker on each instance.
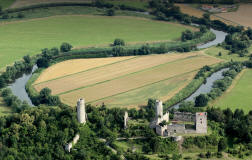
(177, 125)
(69, 146)
(82, 118)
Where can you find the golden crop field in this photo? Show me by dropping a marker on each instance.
(132, 76)
(162, 90)
(242, 16)
(76, 66)
(107, 72)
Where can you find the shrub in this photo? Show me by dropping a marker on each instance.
(6, 92)
(219, 155)
(43, 63)
(119, 42)
(222, 145)
(20, 15)
(110, 12)
(2, 82)
(5, 16)
(118, 51)
(65, 47)
(201, 100)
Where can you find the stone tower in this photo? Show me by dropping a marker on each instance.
(159, 108)
(201, 122)
(126, 117)
(81, 111)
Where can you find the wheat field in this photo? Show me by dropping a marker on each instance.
(131, 75)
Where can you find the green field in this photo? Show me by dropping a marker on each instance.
(240, 95)
(29, 37)
(142, 4)
(6, 3)
(214, 51)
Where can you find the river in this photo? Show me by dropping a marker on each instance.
(204, 88)
(18, 87)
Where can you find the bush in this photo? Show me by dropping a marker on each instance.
(201, 100)
(118, 51)
(43, 63)
(219, 155)
(65, 47)
(20, 15)
(2, 82)
(222, 145)
(110, 12)
(119, 42)
(5, 16)
(6, 92)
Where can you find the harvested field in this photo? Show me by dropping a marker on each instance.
(132, 81)
(162, 90)
(109, 72)
(242, 16)
(76, 66)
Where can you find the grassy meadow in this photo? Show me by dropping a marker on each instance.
(132, 3)
(29, 37)
(214, 51)
(6, 3)
(239, 94)
(125, 83)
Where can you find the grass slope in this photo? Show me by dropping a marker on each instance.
(29, 37)
(6, 3)
(214, 51)
(240, 95)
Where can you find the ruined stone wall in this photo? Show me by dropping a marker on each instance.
(176, 128)
(159, 108)
(161, 130)
(184, 116)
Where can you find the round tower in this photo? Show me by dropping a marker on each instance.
(159, 108)
(81, 111)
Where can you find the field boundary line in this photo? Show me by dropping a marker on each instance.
(146, 69)
(85, 71)
(144, 85)
(167, 97)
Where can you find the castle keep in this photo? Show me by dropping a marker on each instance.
(177, 125)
